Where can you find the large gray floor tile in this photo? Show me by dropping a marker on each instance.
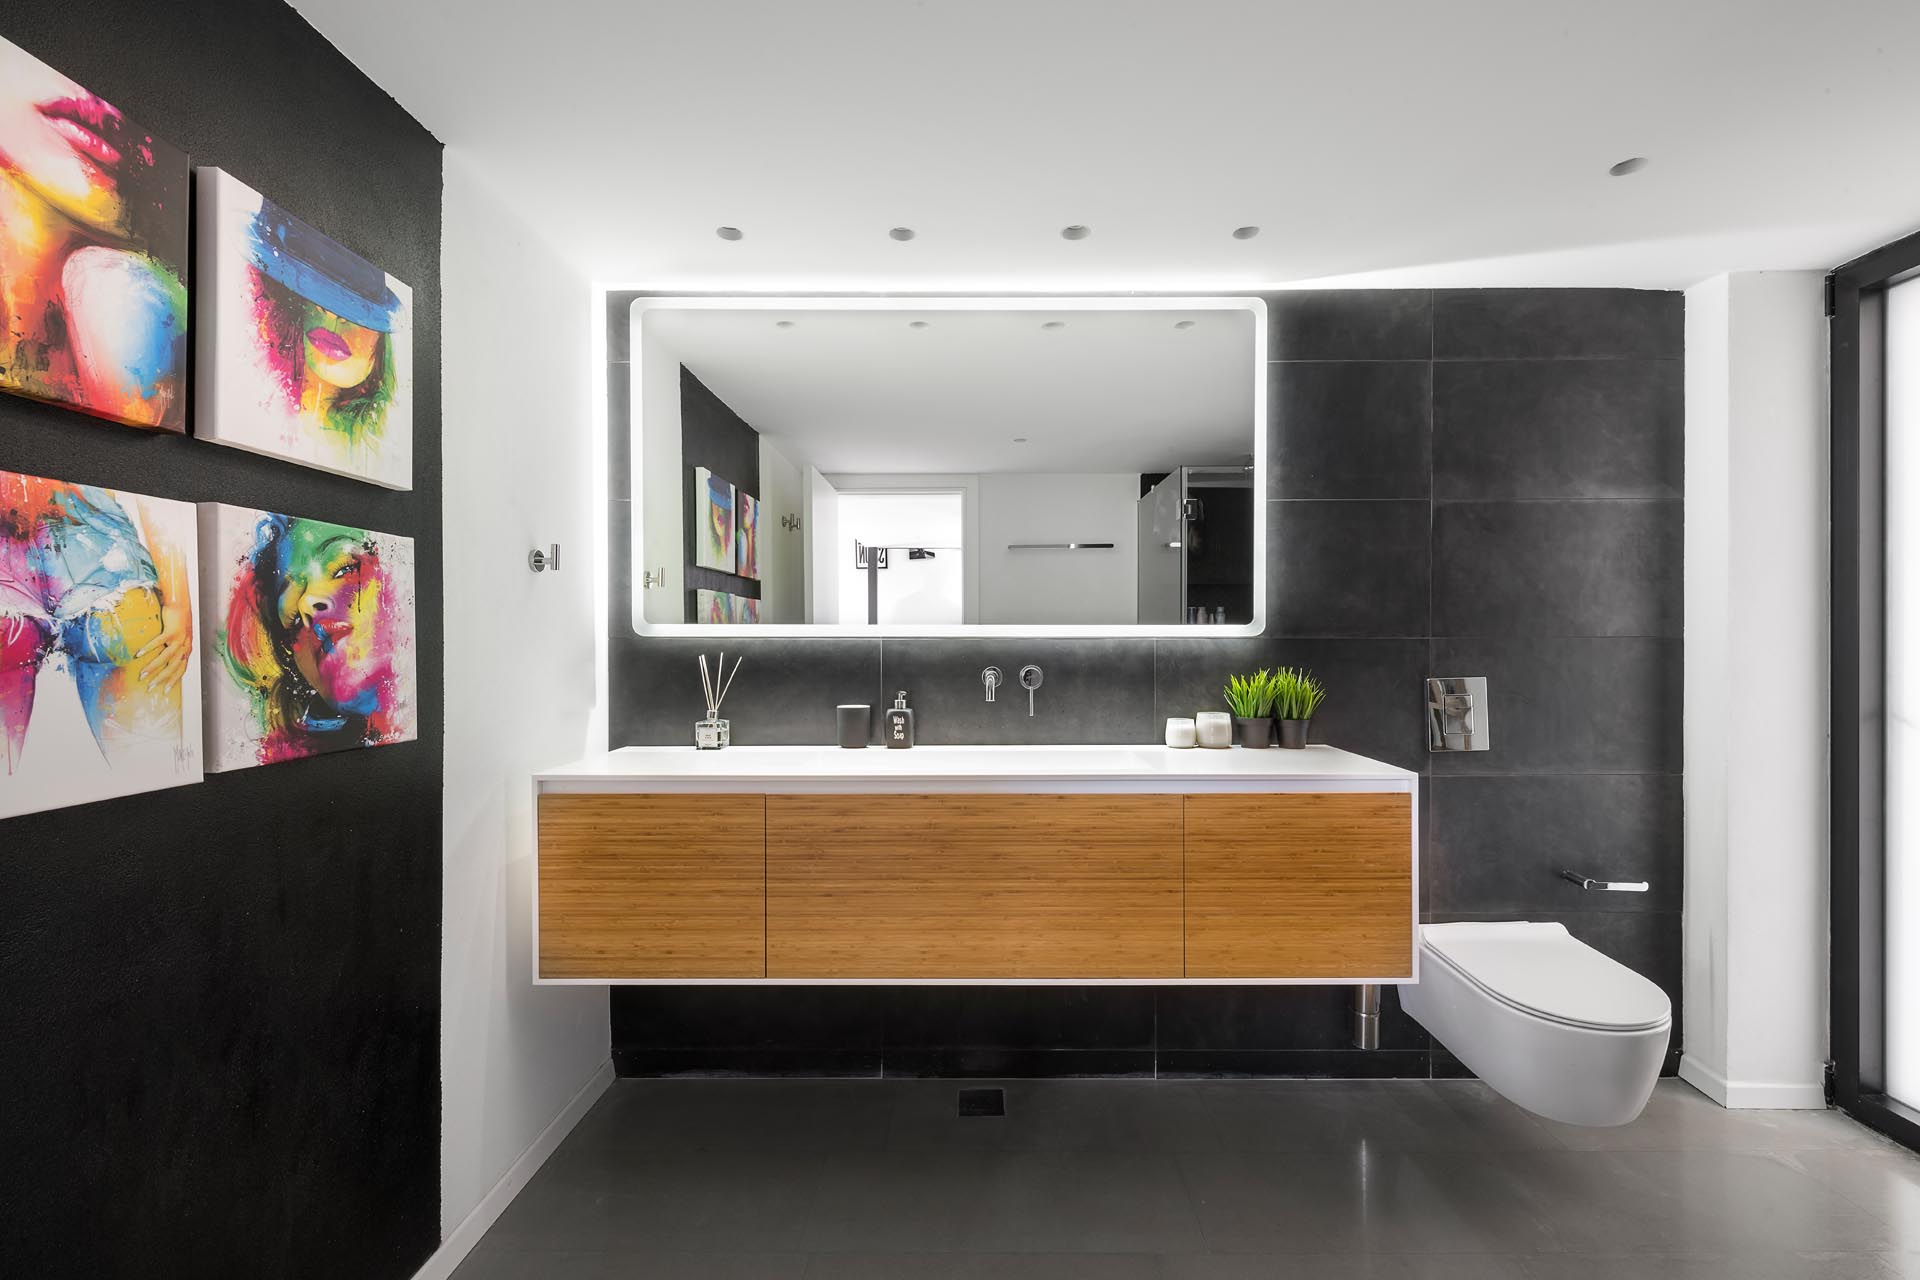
(1680, 1118)
(1053, 1115)
(1361, 1201)
(1377, 1266)
(1341, 1116)
(574, 1264)
(897, 1201)
(722, 1202)
(983, 1266)
(1701, 1202)
(1825, 1266)
(1078, 1202)
(659, 1116)
(1886, 1183)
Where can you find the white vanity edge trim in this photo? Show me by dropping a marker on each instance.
(1331, 770)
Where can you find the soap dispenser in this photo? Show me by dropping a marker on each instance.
(900, 722)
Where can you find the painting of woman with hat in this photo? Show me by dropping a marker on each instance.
(306, 344)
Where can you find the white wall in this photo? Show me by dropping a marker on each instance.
(783, 562)
(1755, 972)
(520, 678)
(1059, 586)
(660, 540)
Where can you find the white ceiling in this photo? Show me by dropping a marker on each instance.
(865, 391)
(1395, 142)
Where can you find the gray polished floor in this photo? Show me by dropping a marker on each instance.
(1159, 1180)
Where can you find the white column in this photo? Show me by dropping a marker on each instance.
(1755, 974)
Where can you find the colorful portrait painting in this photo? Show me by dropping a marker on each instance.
(304, 349)
(99, 687)
(746, 539)
(93, 252)
(713, 520)
(309, 635)
(723, 607)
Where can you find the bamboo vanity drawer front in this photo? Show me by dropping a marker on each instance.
(652, 886)
(1313, 885)
(982, 886)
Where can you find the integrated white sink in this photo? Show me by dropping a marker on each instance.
(997, 768)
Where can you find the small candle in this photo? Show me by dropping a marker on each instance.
(1214, 728)
(1180, 732)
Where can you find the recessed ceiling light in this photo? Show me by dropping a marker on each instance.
(902, 233)
(1245, 233)
(783, 324)
(1633, 164)
(1183, 324)
(1019, 439)
(1053, 324)
(727, 233)
(916, 324)
(1075, 232)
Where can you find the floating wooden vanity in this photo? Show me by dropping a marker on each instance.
(975, 864)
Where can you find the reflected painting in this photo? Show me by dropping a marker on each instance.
(310, 637)
(305, 348)
(93, 252)
(713, 510)
(747, 539)
(720, 607)
(99, 689)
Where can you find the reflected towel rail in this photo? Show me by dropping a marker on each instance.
(1059, 546)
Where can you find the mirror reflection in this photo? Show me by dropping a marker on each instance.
(922, 464)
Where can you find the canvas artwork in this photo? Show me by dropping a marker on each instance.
(713, 514)
(99, 686)
(93, 252)
(746, 539)
(304, 348)
(723, 607)
(309, 636)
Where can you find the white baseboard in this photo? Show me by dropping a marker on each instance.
(459, 1243)
(1749, 1095)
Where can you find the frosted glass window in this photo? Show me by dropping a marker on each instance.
(1903, 693)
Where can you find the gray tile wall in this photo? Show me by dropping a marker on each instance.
(1471, 482)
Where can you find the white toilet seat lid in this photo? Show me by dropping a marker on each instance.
(1544, 970)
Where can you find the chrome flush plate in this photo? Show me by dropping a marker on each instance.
(1457, 714)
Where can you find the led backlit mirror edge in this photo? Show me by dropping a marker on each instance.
(1254, 306)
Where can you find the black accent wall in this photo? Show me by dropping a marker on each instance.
(219, 1039)
(1464, 482)
(713, 436)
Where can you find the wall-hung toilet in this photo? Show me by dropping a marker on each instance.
(1543, 1018)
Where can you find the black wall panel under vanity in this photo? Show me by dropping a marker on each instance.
(1462, 482)
(220, 1037)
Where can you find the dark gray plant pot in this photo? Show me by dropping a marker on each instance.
(1293, 733)
(1256, 732)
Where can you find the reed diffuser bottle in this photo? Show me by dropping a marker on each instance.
(713, 733)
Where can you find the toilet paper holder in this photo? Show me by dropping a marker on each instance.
(1609, 886)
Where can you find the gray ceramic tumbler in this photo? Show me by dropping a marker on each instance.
(856, 723)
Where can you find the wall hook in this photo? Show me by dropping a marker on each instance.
(790, 522)
(540, 561)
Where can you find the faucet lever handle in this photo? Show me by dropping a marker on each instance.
(1030, 678)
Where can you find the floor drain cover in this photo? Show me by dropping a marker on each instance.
(983, 1102)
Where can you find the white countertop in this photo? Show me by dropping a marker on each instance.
(1075, 768)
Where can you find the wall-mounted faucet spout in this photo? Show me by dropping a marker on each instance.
(991, 679)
